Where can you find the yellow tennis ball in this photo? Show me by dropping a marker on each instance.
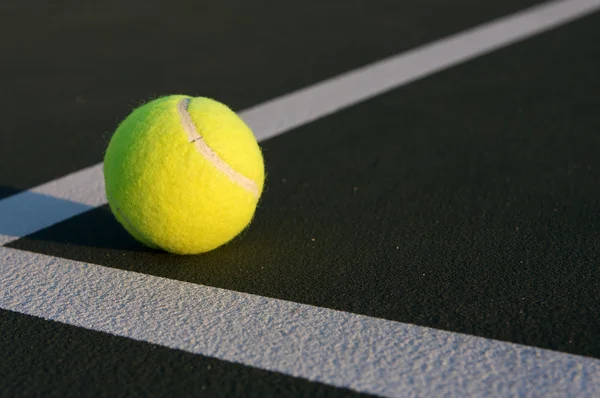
(183, 174)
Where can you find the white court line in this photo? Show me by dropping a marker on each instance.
(341, 349)
(51, 203)
(346, 350)
(26, 212)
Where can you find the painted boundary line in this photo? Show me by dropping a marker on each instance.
(337, 348)
(53, 202)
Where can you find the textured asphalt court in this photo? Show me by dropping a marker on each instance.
(429, 228)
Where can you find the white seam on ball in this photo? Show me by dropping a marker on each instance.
(210, 155)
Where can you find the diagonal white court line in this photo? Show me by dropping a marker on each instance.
(30, 211)
(365, 354)
(346, 350)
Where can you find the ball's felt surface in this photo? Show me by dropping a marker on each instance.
(183, 174)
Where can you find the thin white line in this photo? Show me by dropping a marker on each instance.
(85, 188)
(190, 128)
(346, 350)
(314, 102)
(50, 203)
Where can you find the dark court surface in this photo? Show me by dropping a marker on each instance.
(467, 201)
(73, 70)
(63, 360)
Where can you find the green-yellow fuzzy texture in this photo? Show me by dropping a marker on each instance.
(165, 192)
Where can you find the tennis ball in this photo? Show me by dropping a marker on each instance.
(183, 174)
